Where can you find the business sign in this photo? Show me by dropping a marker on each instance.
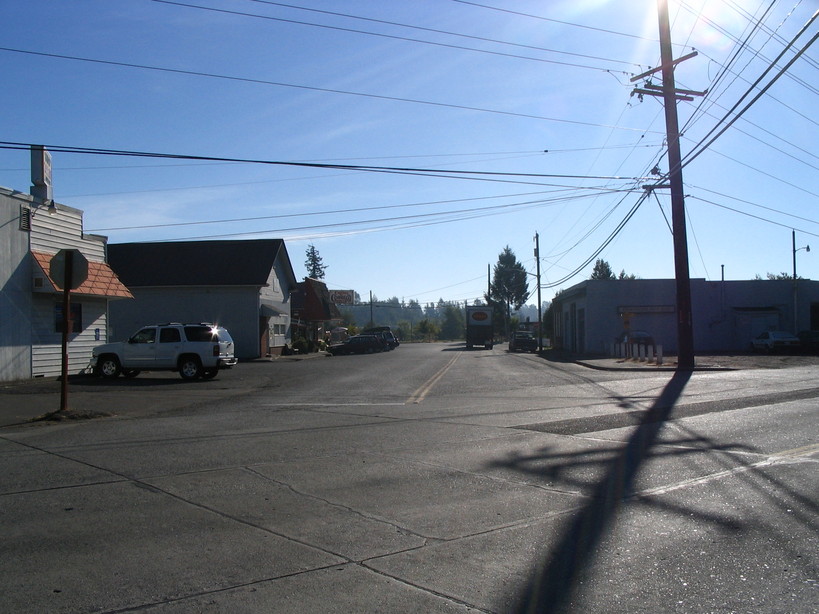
(342, 297)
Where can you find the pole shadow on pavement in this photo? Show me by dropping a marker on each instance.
(552, 583)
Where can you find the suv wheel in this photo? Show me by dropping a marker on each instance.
(109, 367)
(190, 368)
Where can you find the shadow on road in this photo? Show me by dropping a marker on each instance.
(552, 583)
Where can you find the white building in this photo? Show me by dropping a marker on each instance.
(32, 231)
(243, 285)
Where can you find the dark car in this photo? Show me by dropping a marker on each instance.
(809, 340)
(360, 344)
(523, 341)
(385, 333)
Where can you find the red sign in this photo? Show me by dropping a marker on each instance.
(480, 316)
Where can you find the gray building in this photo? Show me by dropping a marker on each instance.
(726, 314)
(32, 230)
(243, 285)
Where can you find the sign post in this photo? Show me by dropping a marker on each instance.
(68, 269)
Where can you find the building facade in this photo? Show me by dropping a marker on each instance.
(313, 310)
(726, 314)
(32, 231)
(244, 286)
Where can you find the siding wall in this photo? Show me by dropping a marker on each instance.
(50, 233)
(277, 294)
(47, 342)
(63, 230)
(235, 308)
(29, 343)
(15, 290)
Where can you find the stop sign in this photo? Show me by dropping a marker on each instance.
(58, 270)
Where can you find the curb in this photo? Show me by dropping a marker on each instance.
(647, 367)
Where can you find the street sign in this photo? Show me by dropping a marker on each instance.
(79, 268)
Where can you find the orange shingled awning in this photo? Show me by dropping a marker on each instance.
(101, 281)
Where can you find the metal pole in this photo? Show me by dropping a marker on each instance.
(795, 288)
(539, 302)
(685, 333)
(67, 325)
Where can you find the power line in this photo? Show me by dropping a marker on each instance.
(196, 73)
(403, 38)
(317, 213)
(565, 23)
(350, 167)
(403, 222)
(751, 215)
(702, 145)
(753, 204)
(603, 246)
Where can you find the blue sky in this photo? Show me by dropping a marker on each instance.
(533, 100)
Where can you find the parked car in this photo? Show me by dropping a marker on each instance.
(385, 333)
(194, 350)
(809, 340)
(359, 344)
(775, 340)
(522, 341)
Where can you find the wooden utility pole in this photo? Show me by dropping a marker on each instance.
(539, 315)
(685, 329)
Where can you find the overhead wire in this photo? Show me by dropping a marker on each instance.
(320, 213)
(704, 143)
(384, 35)
(210, 75)
(416, 27)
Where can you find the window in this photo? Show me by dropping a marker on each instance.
(200, 333)
(75, 311)
(146, 335)
(169, 335)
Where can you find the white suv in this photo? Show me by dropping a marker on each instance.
(194, 350)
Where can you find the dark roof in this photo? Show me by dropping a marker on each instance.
(198, 263)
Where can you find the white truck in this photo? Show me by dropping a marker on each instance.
(479, 327)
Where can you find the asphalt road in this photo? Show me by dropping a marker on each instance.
(428, 479)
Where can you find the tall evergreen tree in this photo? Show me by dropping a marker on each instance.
(602, 270)
(509, 285)
(313, 264)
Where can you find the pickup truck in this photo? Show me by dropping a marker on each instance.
(194, 350)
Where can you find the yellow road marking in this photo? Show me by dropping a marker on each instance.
(425, 389)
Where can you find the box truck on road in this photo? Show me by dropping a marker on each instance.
(479, 328)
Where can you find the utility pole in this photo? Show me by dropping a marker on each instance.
(685, 329)
(795, 282)
(539, 303)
